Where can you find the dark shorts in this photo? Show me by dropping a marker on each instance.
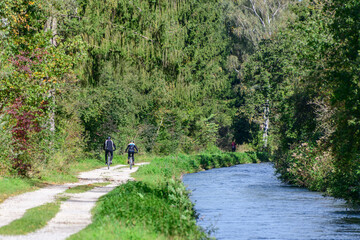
(131, 154)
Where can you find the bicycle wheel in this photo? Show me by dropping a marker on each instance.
(131, 162)
(108, 161)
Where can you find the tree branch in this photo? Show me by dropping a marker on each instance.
(256, 13)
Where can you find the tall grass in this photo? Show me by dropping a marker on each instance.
(157, 204)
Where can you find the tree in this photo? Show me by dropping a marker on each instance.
(158, 66)
(250, 22)
(35, 70)
(343, 77)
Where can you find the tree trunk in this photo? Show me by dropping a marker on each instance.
(266, 124)
(51, 24)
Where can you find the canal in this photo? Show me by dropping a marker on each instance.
(248, 202)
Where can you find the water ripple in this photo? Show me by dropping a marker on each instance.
(249, 202)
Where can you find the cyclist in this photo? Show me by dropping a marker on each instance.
(131, 150)
(109, 147)
(233, 146)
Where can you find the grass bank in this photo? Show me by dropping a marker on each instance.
(157, 205)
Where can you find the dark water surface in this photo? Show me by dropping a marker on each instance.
(248, 202)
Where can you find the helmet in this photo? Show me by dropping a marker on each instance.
(109, 138)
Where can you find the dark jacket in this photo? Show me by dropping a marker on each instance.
(131, 148)
(109, 145)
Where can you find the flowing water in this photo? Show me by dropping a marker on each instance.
(248, 202)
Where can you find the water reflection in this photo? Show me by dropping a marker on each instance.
(249, 202)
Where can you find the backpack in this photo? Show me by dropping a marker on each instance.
(131, 147)
(109, 145)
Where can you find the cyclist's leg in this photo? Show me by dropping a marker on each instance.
(111, 156)
(133, 156)
(106, 154)
(129, 155)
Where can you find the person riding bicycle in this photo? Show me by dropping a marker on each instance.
(109, 147)
(131, 150)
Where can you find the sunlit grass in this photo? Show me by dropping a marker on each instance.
(69, 174)
(14, 186)
(110, 229)
(11, 186)
(33, 219)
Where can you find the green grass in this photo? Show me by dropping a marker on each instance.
(14, 186)
(11, 186)
(110, 229)
(146, 212)
(33, 219)
(69, 173)
(85, 188)
(157, 206)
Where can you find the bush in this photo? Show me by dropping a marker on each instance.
(165, 208)
(5, 146)
(307, 165)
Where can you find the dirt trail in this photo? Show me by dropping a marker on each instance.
(74, 214)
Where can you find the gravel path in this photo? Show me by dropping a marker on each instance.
(74, 214)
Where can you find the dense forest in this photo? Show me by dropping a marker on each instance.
(182, 76)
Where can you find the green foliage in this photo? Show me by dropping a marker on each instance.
(173, 214)
(5, 136)
(312, 86)
(153, 73)
(310, 166)
(182, 76)
(35, 73)
(343, 76)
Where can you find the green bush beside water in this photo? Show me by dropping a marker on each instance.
(157, 206)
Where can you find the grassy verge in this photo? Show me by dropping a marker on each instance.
(85, 188)
(157, 206)
(33, 219)
(11, 186)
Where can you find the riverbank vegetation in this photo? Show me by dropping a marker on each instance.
(308, 74)
(178, 77)
(157, 204)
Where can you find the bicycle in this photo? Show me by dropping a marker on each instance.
(108, 161)
(131, 161)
